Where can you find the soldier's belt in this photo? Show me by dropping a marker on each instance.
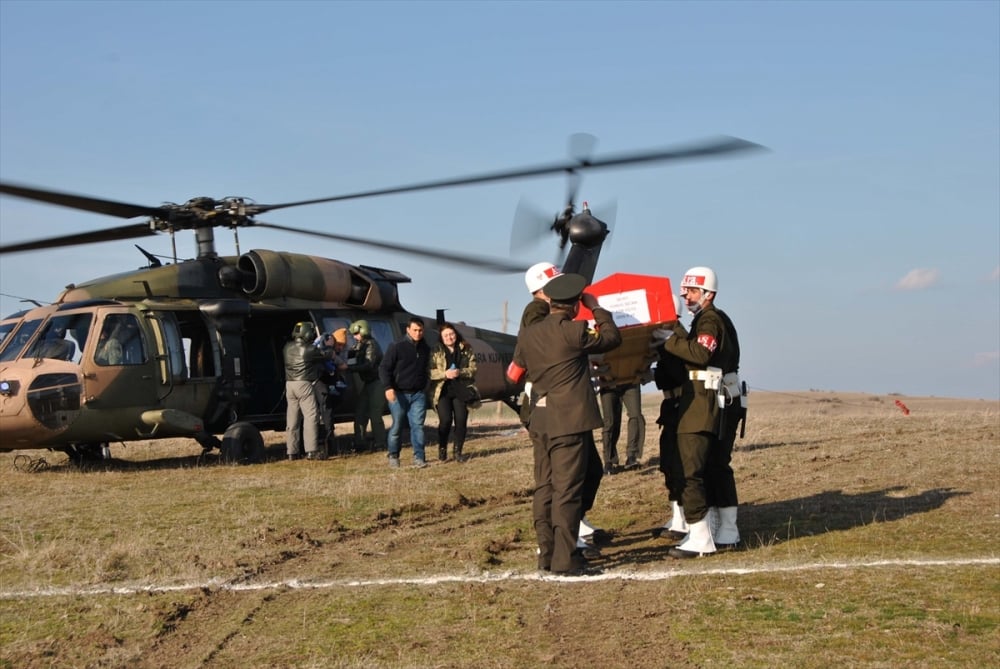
(711, 377)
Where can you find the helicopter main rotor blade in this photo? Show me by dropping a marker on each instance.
(108, 235)
(479, 262)
(82, 202)
(703, 149)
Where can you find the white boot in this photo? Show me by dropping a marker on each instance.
(727, 535)
(713, 519)
(586, 529)
(699, 541)
(676, 522)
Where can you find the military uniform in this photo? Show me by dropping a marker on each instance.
(709, 344)
(554, 352)
(534, 312)
(670, 376)
(612, 400)
(369, 394)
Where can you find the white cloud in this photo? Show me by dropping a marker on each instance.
(918, 279)
(986, 359)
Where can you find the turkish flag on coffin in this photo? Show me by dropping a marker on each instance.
(639, 304)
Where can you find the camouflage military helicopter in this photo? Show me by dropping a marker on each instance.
(199, 342)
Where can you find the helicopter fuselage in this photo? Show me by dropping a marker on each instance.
(189, 350)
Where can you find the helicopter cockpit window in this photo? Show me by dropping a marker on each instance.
(18, 340)
(63, 337)
(5, 330)
(120, 342)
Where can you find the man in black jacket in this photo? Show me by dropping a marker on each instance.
(405, 373)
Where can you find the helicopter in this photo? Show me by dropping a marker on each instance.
(198, 343)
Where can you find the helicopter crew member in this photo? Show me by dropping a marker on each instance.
(554, 352)
(303, 365)
(55, 345)
(405, 372)
(711, 353)
(364, 360)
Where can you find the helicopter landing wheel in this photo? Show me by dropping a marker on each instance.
(242, 444)
(84, 454)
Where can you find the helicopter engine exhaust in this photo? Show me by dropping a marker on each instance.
(274, 275)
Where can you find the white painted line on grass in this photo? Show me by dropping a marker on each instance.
(485, 577)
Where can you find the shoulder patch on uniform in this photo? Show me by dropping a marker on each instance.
(708, 341)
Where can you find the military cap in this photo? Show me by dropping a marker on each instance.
(565, 288)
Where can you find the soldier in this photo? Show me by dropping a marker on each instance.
(613, 398)
(363, 360)
(670, 375)
(710, 353)
(536, 278)
(303, 366)
(554, 352)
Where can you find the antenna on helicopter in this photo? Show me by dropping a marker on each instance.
(153, 260)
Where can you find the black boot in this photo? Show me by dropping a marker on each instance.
(442, 453)
(458, 454)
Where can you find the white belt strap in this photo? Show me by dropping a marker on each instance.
(711, 377)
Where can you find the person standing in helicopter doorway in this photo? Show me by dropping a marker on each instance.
(453, 390)
(304, 363)
(710, 407)
(331, 384)
(369, 393)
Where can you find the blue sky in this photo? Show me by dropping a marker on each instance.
(861, 254)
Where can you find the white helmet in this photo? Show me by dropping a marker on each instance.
(701, 277)
(540, 274)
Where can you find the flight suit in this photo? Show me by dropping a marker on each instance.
(370, 394)
(303, 366)
(554, 353)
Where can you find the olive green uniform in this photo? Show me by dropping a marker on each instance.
(710, 343)
(370, 394)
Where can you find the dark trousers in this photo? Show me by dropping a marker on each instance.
(670, 455)
(592, 479)
(452, 410)
(557, 507)
(612, 401)
(694, 453)
(720, 483)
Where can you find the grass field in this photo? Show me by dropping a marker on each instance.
(871, 540)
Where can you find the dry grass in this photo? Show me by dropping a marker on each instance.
(837, 492)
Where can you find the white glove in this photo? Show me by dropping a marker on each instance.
(662, 334)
